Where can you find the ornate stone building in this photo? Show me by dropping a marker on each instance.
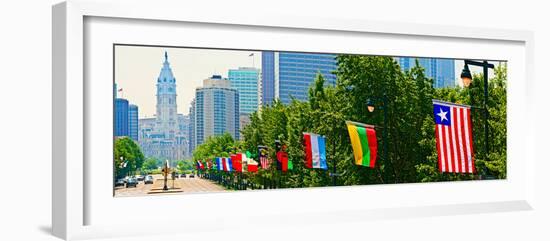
(164, 137)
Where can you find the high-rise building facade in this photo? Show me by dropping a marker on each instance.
(163, 137)
(191, 127)
(245, 81)
(215, 110)
(268, 77)
(122, 126)
(442, 71)
(133, 126)
(287, 75)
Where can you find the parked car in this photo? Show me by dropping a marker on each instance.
(119, 182)
(183, 175)
(148, 179)
(131, 182)
(192, 175)
(140, 178)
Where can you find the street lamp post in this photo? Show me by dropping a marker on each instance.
(466, 77)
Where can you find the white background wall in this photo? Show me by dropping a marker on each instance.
(25, 119)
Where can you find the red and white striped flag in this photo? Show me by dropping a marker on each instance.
(264, 160)
(453, 134)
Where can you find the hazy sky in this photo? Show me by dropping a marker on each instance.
(137, 69)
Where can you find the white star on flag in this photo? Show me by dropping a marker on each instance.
(442, 114)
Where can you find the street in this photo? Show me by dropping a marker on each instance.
(187, 185)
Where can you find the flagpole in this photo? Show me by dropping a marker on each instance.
(361, 124)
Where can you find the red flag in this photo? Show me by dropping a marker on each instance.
(282, 158)
(237, 162)
(252, 167)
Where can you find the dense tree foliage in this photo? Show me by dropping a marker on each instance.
(150, 165)
(128, 157)
(405, 137)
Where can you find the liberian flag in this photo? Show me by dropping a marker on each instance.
(363, 142)
(453, 135)
(264, 160)
(316, 156)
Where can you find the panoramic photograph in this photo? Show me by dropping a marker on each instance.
(197, 120)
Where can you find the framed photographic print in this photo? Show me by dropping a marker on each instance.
(166, 112)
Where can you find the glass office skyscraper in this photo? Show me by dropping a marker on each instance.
(441, 70)
(121, 117)
(245, 81)
(216, 110)
(268, 77)
(286, 74)
(133, 126)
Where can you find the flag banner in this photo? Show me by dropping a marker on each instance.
(264, 160)
(219, 163)
(251, 164)
(209, 164)
(453, 137)
(315, 151)
(227, 165)
(200, 166)
(237, 161)
(282, 160)
(363, 143)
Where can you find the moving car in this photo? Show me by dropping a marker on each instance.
(141, 178)
(148, 179)
(131, 182)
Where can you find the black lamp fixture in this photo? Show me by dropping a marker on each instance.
(466, 76)
(370, 105)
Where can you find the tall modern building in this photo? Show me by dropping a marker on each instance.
(442, 71)
(245, 81)
(133, 122)
(122, 125)
(191, 127)
(215, 110)
(163, 137)
(286, 75)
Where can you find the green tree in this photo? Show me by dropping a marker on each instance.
(405, 97)
(128, 157)
(149, 165)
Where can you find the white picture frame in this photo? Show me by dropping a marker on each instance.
(75, 199)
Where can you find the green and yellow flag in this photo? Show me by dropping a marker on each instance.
(363, 142)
